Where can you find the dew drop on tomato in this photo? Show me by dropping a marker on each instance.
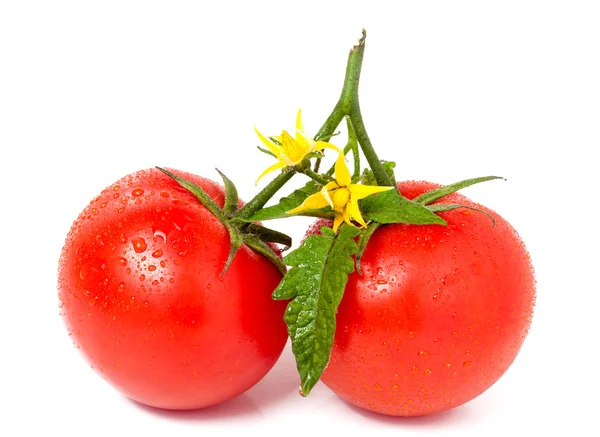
(139, 244)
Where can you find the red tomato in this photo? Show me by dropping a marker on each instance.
(438, 315)
(142, 297)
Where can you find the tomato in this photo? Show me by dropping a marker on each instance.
(142, 296)
(437, 316)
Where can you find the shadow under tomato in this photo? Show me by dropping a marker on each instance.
(453, 416)
(240, 406)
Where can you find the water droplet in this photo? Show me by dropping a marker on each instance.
(447, 364)
(160, 235)
(163, 264)
(151, 268)
(395, 387)
(411, 334)
(123, 239)
(121, 287)
(142, 277)
(424, 354)
(180, 202)
(377, 387)
(137, 192)
(164, 194)
(381, 282)
(467, 364)
(467, 353)
(437, 295)
(428, 371)
(121, 260)
(99, 240)
(139, 244)
(171, 281)
(157, 253)
(415, 369)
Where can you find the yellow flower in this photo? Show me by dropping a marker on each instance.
(290, 152)
(341, 195)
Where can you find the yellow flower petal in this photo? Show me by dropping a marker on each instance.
(342, 174)
(361, 191)
(299, 125)
(331, 186)
(274, 167)
(326, 196)
(274, 148)
(293, 150)
(354, 212)
(320, 145)
(340, 198)
(305, 142)
(314, 201)
(337, 221)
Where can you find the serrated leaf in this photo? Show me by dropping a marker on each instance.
(390, 207)
(438, 193)
(316, 283)
(285, 204)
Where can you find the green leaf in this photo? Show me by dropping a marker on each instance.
(390, 207)
(268, 235)
(265, 250)
(199, 193)
(268, 152)
(441, 207)
(231, 195)
(368, 178)
(235, 237)
(438, 193)
(316, 283)
(363, 239)
(285, 203)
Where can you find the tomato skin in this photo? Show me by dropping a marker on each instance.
(142, 297)
(438, 315)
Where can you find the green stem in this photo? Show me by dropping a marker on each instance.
(381, 176)
(314, 176)
(353, 144)
(332, 122)
(265, 195)
(348, 105)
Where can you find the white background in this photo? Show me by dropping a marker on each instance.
(91, 91)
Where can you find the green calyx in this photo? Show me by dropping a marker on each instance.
(241, 232)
